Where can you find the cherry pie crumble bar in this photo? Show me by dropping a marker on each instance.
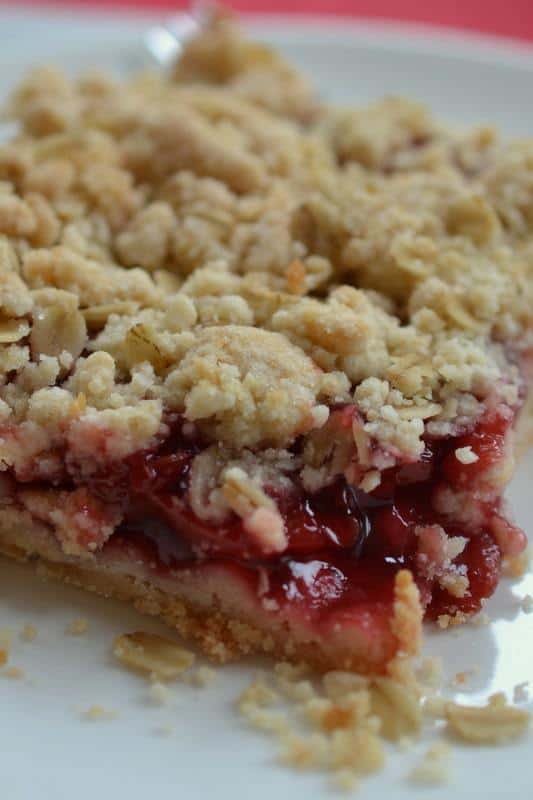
(261, 359)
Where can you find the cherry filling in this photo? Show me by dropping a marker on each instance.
(343, 546)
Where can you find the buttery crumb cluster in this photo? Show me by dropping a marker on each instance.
(218, 244)
(341, 724)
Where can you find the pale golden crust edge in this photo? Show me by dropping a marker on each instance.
(222, 636)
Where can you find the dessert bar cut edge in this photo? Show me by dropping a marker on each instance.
(223, 636)
(222, 633)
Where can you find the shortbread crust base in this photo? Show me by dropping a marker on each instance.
(221, 618)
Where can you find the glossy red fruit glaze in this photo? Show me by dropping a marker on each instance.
(482, 558)
(486, 441)
(392, 530)
(354, 542)
(317, 590)
(340, 582)
(328, 520)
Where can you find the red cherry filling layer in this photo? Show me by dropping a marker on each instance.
(440, 517)
(343, 546)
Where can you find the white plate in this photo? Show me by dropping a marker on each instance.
(46, 750)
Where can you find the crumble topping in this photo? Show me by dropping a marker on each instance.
(466, 455)
(218, 243)
(255, 387)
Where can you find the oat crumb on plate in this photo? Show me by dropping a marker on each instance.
(153, 655)
(159, 693)
(492, 723)
(480, 619)
(97, 712)
(15, 673)
(340, 723)
(345, 780)
(29, 632)
(6, 638)
(77, 627)
(203, 676)
(434, 768)
(429, 672)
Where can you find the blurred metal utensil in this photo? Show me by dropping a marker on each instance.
(164, 43)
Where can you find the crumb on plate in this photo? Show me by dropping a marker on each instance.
(5, 645)
(434, 768)
(29, 632)
(15, 673)
(203, 676)
(159, 693)
(492, 723)
(97, 712)
(152, 655)
(77, 627)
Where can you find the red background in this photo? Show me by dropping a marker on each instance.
(512, 18)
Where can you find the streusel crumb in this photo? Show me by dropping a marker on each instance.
(13, 672)
(434, 768)
(203, 676)
(493, 723)
(152, 655)
(340, 723)
(97, 712)
(5, 645)
(218, 243)
(78, 627)
(159, 693)
(337, 724)
(29, 632)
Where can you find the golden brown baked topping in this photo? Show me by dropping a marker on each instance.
(247, 325)
(254, 254)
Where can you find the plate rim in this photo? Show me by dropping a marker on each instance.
(385, 34)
